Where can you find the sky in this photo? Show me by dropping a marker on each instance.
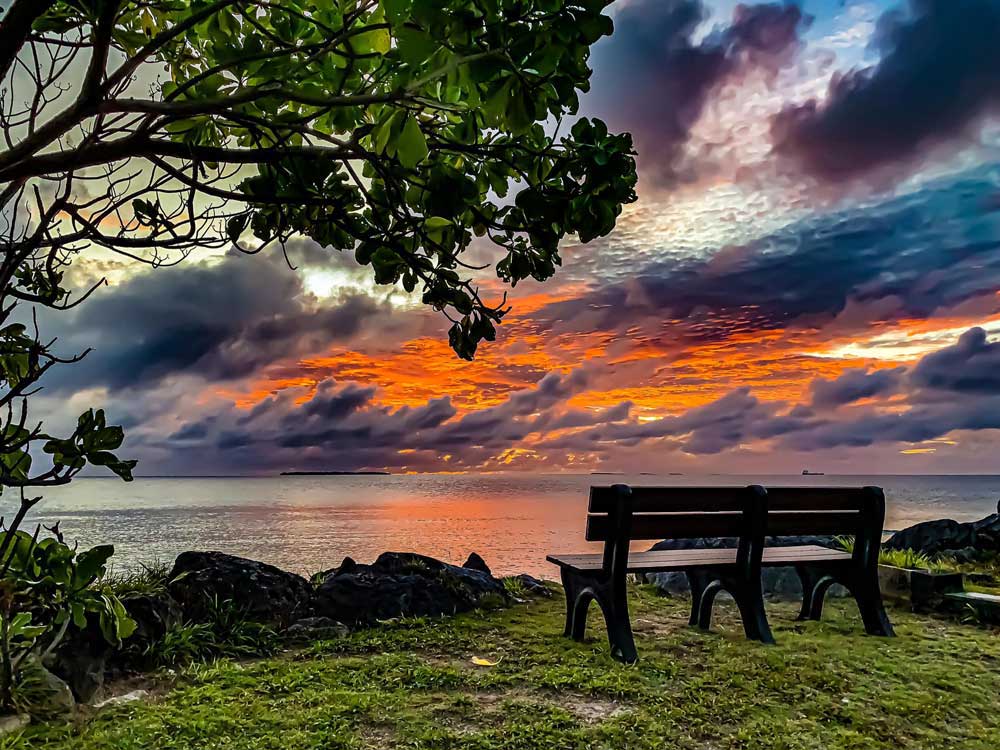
(810, 279)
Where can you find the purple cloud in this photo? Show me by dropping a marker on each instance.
(938, 76)
(653, 79)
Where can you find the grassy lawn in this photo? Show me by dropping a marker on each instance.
(412, 685)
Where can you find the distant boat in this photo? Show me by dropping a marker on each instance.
(807, 473)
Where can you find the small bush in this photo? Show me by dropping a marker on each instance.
(897, 558)
(906, 558)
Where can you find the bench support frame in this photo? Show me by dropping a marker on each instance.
(859, 575)
(581, 590)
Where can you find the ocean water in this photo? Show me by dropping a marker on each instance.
(306, 524)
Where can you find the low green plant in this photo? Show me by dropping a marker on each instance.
(47, 588)
(182, 644)
(897, 558)
(225, 632)
(236, 634)
(906, 558)
(515, 587)
(149, 579)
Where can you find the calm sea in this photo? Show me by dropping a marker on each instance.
(307, 524)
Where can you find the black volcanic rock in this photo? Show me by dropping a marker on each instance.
(263, 593)
(933, 537)
(475, 562)
(81, 661)
(403, 584)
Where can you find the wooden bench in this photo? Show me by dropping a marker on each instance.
(620, 514)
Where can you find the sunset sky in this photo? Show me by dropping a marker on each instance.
(810, 279)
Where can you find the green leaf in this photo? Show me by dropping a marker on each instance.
(91, 563)
(412, 146)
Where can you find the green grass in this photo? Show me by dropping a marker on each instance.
(411, 684)
(148, 579)
(897, 558)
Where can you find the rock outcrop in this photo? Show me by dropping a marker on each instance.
(263, 593)
(946, 536)
(403, 584)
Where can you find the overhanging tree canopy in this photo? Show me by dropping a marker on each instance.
(398, 130)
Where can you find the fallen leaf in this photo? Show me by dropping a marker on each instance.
(481, 662)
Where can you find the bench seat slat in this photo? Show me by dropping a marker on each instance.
(665, 560)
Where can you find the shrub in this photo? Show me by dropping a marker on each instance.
(46, 588)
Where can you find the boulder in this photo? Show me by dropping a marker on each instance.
(52, 696)
(403, 584)
(264, 593)
(475, 562)
(13, 723)
(154, 615)
(81, 661)
(988, 534)
(934, 537)
(777, 583)
(316, 629)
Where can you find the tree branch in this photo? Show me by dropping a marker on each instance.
(15, 28)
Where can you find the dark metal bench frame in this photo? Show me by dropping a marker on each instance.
(620, 514)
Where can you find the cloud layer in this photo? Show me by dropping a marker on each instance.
(937, 77)
(654, 78)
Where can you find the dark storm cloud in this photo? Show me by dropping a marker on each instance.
(342, 427)
(218, 321)
(971, 366)
(855, 385)
(652, 79)
(938, 75)
(966, 369)
(925, 251)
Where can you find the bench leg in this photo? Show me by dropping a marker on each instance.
(698, 580)
(814, 587)
(577, 603)
(750, 600)
(614, 605)
(867, 594)
(705, 602)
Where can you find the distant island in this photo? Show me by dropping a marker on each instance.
(334, 473)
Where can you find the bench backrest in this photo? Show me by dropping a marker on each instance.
(845, 511)
(672, 512)
(619, 514)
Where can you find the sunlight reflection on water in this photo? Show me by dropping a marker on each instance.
(307, 524)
